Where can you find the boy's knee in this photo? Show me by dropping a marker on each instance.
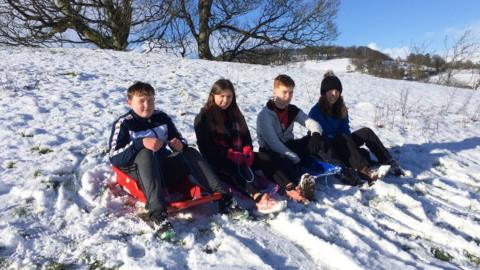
(191, 150)
(144, 155)
(145, 152)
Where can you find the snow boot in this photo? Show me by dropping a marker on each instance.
(163, 228)
(296, 195)
(307, 186)
(268, 205)
(349, 176)
(395, 168)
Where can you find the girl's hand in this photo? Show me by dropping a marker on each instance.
(235, 156)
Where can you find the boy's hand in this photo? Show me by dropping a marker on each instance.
(153, 144)
(176, 144)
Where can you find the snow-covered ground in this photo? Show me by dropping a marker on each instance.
(336, 65)
(56, 110)
(467, 77)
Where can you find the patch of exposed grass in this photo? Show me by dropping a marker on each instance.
(11, 164)
(50, 183)
(94, 264)
(69, 73)
(21, 211)
(41, 150)
(4, 263)
(441, 254)
(472, 258)
(37, 173)
(99, 265)
(56, 266)
(26, 135)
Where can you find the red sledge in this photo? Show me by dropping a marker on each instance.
(192, 194)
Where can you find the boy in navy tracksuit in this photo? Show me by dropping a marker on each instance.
(138, 146)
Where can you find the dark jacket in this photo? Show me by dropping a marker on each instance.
(129, 130)
(331, 126)
(214, 146)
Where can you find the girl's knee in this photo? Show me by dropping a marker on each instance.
(190, 151)
(342, 137)
(367, 130)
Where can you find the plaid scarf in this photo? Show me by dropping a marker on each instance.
(229, 136)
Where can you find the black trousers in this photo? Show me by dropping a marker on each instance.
(239, 177)
(299, 147)
(272, 170)
(348, 148)
(155, 173)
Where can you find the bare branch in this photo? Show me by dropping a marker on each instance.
(107, 24)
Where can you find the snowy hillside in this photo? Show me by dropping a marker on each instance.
(57, 106)
(467, 77)
(337, 65)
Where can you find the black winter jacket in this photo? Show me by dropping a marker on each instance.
(214, 147)
(129, 130)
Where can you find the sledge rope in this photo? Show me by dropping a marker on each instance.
(250, 178)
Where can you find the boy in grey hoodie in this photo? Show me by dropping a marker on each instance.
(275, 124)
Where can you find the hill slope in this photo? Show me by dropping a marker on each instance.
(57, 106)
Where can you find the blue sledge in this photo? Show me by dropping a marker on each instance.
(317, 168)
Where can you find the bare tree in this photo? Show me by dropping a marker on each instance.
(108, 24)
(476, 83)
(230, 29)
(176, 40)
(417, 60)
(221, 29)
(456, 53)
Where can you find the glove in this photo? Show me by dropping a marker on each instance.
(235, 156)
(248, 156)
(315, 144)
(293, 157)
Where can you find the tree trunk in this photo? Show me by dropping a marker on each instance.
(203, 41)
(120, 20)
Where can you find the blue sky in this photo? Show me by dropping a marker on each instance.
(393, 26)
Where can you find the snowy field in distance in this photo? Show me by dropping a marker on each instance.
(468, 77)
(336, 65)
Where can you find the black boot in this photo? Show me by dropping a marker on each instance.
(395, 168)
(229, 206)
(348, 176)
(163, 228)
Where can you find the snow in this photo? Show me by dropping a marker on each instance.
(336, 65)
(57, 107)
(467, 77)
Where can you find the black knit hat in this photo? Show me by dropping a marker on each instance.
(329, 82)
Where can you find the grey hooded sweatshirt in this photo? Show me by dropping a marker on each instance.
(272, 136)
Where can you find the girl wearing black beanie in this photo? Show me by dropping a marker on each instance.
(332, 114)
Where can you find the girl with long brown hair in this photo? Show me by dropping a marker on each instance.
(332, 114)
